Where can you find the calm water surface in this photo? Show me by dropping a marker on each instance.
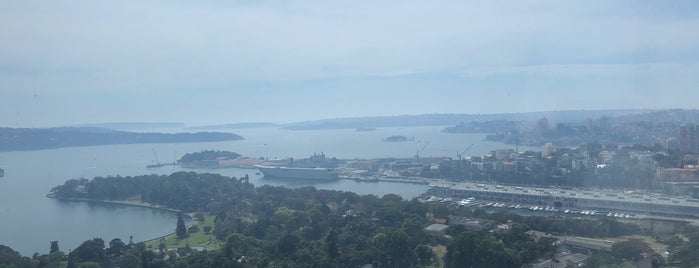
(30, 220)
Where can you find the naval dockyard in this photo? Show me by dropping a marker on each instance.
(491, 193)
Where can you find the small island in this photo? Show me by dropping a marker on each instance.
(397, 138)
(206, 158)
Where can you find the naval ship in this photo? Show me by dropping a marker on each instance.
(316, 167)
(297, 173)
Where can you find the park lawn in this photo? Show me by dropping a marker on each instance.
(195, 239)
(440, 251)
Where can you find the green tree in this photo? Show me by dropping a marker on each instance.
(288, 244)
(199, 216)
(88, 251)
(688, 254)
(394, 250)
(632, 250)
(130, 260)
(53, 260)
(331, 245)
(89, 264)
(181, 229)
(425, 255)
(54, 247)
(116, 247)
(478, 250)
(11, 258)
(162, 246)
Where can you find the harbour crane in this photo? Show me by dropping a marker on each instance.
(417, 155)
(459, 155)
(157, 162)
(156, 156)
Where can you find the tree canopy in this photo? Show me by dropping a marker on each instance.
(271, 226)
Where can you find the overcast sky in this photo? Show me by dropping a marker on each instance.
(208, 62)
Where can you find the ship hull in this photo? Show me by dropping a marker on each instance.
(297, 173)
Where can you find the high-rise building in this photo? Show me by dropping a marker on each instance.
(671, 144)
(604, 123)
(689, 139)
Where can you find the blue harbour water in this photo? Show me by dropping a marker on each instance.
(30, 220)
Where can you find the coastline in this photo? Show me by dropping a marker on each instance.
(190, 216)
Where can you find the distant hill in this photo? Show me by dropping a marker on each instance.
(452, 119)
(679, 116)
(128, 126)
(48, 138)
(235, 126)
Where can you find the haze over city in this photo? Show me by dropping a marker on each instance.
(209, 62)
(211, 133)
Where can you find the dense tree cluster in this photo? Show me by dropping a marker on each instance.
(581, 227)
(186, 191)
(206, 155)
(273, 226)
(11, 258)
(685, 248)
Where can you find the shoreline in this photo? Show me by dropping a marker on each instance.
(136, 204)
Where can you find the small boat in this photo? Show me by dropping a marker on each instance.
(464, 202)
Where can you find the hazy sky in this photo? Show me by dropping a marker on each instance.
(207, 62)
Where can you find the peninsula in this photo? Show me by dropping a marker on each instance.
(14, 139)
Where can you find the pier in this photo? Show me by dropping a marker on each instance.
(599, 200)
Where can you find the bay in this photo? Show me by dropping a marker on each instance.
(30, 220)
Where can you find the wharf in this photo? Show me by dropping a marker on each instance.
(412, 180)
(589, 199)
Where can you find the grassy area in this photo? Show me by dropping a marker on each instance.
(193, 239)
(439, 251)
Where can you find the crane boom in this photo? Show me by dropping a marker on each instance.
(459, 155)
(156, 157)
(469, 148)
(417, 155)
(423, 147)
